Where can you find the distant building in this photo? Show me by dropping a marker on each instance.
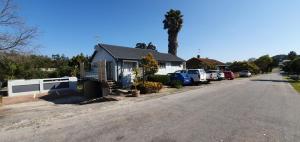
(205, 63)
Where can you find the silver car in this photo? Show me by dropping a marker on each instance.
(245, 73)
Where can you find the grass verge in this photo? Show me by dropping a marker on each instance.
(295, 84)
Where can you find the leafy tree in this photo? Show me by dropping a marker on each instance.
(251, 59)
(295, 66)
(278, 58)
(75, 63)
(239, 66)
(264, 63)
(292, 55)
(142, 45)
(151, 46)
(149, 64)
(173, 23)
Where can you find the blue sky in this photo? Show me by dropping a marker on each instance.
(226, 30)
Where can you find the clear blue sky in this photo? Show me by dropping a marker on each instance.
(226, 30)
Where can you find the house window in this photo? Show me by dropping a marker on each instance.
(162, 65)
(176, 64)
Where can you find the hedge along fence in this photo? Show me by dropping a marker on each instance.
(37, 86)
(164, 79)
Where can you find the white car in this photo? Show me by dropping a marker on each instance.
(217, 74)
(245, 73)
(197, 75)
(212, 75)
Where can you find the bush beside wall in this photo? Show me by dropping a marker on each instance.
(164, 79)
(150, 87)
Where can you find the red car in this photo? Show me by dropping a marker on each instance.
(229, 75)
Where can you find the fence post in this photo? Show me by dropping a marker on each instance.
(82, 71)
(9, 87)
(41, 85)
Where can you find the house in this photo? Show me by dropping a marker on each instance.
(120, 61)
(205, 63)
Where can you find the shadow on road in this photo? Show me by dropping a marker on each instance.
(74, 98)
(271, 80)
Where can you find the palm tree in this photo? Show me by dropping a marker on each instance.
(173, 22)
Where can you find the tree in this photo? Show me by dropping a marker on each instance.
(295, 66)
(173, 23)
(151, 46)
(292, 55)
(278, 58)
(251, 59)
(75, 63)
(14, 34)
(264, 63)
(239, 66)
(143, 45)
(149, 64)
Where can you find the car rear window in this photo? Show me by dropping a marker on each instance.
(193, 72)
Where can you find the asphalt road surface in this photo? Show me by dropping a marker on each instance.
(260, 109)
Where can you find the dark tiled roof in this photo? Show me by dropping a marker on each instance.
(120, 52)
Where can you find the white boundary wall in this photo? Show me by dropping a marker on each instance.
(37, 86)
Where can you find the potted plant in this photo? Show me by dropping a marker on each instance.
(135, 92)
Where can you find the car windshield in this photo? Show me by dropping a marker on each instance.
(193, 72)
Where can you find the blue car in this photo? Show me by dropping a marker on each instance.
(183, 77)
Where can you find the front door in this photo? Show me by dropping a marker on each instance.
(109, 70)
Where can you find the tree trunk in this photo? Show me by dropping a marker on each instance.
(173, 44)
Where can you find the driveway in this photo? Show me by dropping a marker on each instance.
(260, 109)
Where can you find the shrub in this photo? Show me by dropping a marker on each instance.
(295, 66)
(150, 87)
(164, 79)
(239, 66)
(176, 84)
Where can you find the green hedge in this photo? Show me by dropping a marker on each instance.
(164, 79)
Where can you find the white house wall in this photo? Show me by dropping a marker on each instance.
(169, 69)
(102, 55)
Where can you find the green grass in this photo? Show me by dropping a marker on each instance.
(295, 84)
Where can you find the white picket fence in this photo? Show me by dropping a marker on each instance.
(37, 86)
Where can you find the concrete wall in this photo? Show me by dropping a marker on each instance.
(36, 86)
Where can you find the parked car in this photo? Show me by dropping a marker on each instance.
(181, 71)
(245, 73)
(183, 77)
(216, 75)
(197, 75)
(211, 75)
(229, 75)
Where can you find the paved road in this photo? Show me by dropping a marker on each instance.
(266, 109)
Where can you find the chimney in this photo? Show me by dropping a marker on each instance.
(198, 56)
